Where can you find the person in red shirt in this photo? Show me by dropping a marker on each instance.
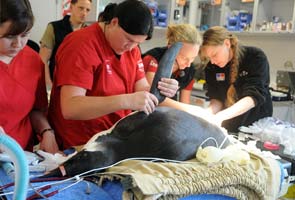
(183, 70)
(99, 75)
(23, 97)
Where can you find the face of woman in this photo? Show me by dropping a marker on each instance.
(187, 55)
(120, 40)
(219, 55)
(10, 45)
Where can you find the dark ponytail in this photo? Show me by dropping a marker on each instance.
(108, 14)
(134, 17)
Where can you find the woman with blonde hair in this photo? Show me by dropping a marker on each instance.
(183, 71)
(237, 78)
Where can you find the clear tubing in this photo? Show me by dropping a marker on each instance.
(17, 155)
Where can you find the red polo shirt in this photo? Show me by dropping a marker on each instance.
(86, 60)
(22, 89)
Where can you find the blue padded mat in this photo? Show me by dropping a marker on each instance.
(110, 190)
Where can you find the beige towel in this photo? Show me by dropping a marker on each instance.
(260, 179)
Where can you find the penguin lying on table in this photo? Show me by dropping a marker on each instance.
(166, 133)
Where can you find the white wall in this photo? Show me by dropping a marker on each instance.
(279, 48)
(44, 11)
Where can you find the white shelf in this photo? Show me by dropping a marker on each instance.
(160, 28)
(262, 12)
(264, 33)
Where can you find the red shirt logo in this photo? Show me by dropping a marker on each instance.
(108, 67)
(140, 66)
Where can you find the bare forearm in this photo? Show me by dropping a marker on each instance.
(192, 109)
(39, 121)
(178, 105)
(47, 75)
(215, 106)
(45, 54)
(240, 107)
(44, 131)
(185, 96)
(85, 107)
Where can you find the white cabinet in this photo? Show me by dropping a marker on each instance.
(236, 15)
(208, 14)
(244, 15)
(168, 12)
(275, 15)
(164, 11)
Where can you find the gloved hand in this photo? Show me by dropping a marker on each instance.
(52, 161)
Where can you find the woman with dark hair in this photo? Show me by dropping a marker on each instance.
(237, 78)
(100, 77)
(23, 98)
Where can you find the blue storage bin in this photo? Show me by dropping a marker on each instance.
(233, 23)
(238, 22)
(245, 20)
(162, 18)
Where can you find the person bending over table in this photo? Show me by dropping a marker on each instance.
(237, 78)
(183, 70)
(100, 77)
(23, 97)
